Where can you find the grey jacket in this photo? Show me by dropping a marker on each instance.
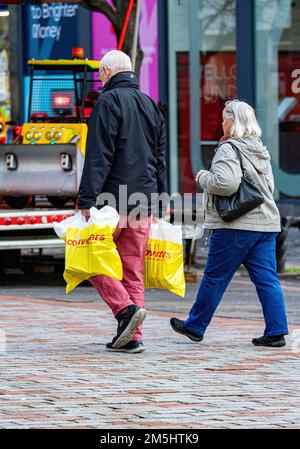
(225, 177)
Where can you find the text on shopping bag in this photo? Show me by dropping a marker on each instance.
(90, 249)
(164, 266)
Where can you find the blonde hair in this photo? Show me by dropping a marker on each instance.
(117, 61)
(242, 118)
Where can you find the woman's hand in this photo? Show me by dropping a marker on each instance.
(199, 174)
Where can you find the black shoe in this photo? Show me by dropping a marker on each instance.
(273, 340)
(178, 326)
(128, 323)
(133, 347)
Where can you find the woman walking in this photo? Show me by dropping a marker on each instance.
(250, 239)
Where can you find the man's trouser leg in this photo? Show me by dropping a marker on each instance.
(131, 242)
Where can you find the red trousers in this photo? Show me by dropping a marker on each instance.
(131, 242)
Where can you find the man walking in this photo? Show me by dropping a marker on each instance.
(125, 149)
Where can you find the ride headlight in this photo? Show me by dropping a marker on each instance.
(49, 135)
(57, 135)
(29, 136)
(37, 135)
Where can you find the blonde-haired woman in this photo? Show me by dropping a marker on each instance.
(249, 240)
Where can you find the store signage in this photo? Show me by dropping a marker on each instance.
(50, 13)
(296, 82)
(50, 30)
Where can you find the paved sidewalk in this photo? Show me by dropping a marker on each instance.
(56, 373)
(240, 299)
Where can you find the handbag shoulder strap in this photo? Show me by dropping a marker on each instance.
(238, 153)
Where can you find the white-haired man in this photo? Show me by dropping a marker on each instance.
(125, 147)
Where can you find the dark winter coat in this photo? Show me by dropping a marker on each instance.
(126, 144)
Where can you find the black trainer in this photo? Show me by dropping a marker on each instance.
(178, 326)
(128, 323)
(275, 341)
(133, 347)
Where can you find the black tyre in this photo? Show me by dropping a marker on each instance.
(18, 202)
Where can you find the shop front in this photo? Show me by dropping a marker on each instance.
(224, 49)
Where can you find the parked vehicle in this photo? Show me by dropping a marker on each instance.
(44, 162)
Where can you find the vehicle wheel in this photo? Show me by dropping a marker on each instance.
(189, 259)
(58, 201)
(281, 246)
(16, 202)
(10, 258)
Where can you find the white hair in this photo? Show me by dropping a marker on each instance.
(116, 61)
(242, 118)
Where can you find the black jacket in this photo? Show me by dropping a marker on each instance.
(126, 144)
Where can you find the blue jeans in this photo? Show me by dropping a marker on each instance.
(230, 248)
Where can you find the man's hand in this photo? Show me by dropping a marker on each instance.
(86, 213)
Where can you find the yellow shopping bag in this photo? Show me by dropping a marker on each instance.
(89, 246)
(164, 266)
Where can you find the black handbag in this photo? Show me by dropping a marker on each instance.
(247, 198)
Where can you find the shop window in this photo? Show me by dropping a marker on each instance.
(201, 31)
(278, 89)
(5, 103)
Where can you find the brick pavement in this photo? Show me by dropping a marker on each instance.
(57, 374)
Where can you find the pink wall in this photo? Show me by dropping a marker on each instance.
(103, 39)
